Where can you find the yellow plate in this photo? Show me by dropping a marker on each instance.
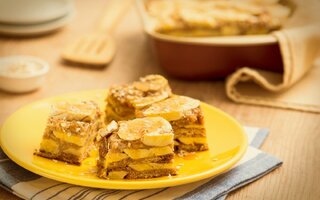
(21, 134)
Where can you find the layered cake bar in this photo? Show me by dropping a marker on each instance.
(70, 132)
(124, 100)
(186, 118)
(136, 149)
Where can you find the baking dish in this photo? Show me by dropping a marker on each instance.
(211, 57)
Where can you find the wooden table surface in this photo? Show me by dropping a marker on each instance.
(294, 136)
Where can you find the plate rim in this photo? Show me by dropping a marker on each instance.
(131, 184)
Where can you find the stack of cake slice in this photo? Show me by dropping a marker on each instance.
(186, 118)
(135, 149)
(124, 100)
(70, 131)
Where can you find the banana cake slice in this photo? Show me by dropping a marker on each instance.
(186, 118)
(123, 100)
(136, 149)
(70, 132)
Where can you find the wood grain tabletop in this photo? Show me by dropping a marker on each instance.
(294, 136)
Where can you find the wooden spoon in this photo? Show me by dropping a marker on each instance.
(98, 48)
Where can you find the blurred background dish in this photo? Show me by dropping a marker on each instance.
(35, 16)
(207, 61)
(211, 56)
(196, 18)
(33, 11)
(36, 29)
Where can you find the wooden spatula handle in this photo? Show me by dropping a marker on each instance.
(115, 9)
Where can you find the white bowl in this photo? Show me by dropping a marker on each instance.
(21, 82)
(33, 11)
(35, 29)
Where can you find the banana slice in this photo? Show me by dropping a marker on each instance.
(114, 157)
(157, 140)
(117, 174)
(137, 128)
(171, 109)
(144, 153)
(151, 83)
(156, 87)
(111, 127)
(145, 101)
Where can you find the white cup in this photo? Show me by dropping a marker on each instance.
(33, 11)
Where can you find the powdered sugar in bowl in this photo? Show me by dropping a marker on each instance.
(19, 74)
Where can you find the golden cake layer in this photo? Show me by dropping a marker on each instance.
(134, 149)
(216, 17)
(186, 118)
(124, 100)
(70, 131)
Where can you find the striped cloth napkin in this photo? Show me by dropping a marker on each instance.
(297, 87)
(253, 166)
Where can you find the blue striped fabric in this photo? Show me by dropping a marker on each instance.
(31, 186)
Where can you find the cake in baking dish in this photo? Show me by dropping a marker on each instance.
(216, 17)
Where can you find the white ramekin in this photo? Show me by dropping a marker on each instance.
(27, 83)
